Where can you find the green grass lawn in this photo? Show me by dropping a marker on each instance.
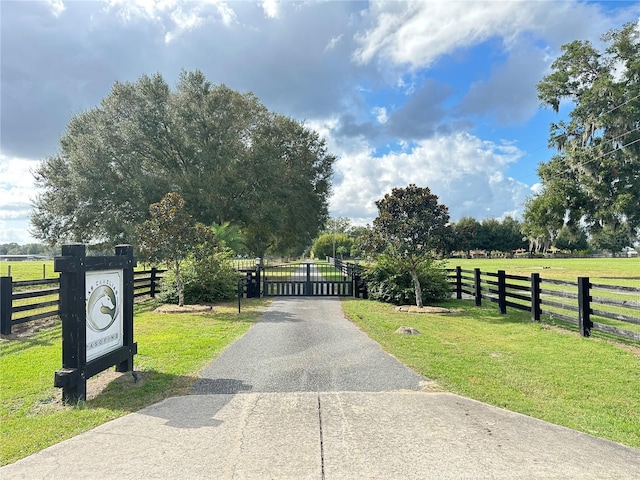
(607, 269)
(28, 270)
(623, 272)
(536, 369)
(172, 349)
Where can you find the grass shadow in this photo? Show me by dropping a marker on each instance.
(46, 337)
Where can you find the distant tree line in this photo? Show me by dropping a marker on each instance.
(490, 235)
(27, 249)
(506, 236)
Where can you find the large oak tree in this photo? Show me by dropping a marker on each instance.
(230, 158)
(595, 178)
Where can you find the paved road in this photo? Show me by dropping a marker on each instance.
(304, 394)
(305, 345)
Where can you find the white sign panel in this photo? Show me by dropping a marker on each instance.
(104, 312)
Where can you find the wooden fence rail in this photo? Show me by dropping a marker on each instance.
(590, 306)
(353, 271)
(20, 302)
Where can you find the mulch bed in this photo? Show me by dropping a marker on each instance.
(168, 308)
(425, 309)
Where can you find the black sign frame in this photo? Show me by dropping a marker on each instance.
(73, 266)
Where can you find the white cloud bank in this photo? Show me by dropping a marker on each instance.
(466, 173)
(17, 187)
(416, 33)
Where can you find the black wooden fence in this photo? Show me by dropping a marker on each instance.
(353, 271)
(590, 306)
(29, 300)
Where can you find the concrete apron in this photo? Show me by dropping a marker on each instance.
(339, 435)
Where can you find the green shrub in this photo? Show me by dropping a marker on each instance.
(325, 244)
(388, 282)
(207, 279)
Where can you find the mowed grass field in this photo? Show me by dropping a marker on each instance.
(606, 269)
(28, 270)
(603, 270)
(35, 270)
(620, 272)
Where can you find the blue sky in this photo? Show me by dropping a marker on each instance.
(436, 93)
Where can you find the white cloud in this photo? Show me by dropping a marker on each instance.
(177, 16)
(184, 22)
(333, 43)
(381, 114)
(271, 8)
(227, 14)
(56, 6)
(417, 33)
(467, 174)
(17, 187)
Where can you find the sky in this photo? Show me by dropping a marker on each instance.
(441, 94)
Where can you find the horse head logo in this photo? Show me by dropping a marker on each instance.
(101, 309)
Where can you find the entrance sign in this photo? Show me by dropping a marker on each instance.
(96, 309)
(104, 312)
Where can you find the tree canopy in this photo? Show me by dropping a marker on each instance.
(410, 226)
(230, 158)
(595, 177)
(330, 244)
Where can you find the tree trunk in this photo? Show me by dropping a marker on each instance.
(179, 286)
(417, 287)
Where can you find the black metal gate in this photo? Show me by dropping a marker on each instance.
(305, 279)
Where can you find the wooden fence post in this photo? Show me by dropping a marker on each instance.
(502, 292)
(535, 297)
(478, 287)
(6, 292)
(584, 307)
(458, 283)
(154, 276)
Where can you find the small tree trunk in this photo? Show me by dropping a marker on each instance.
(417, 287)
(179, 286)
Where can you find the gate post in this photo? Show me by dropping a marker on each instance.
(258, 268)
(6, 292)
